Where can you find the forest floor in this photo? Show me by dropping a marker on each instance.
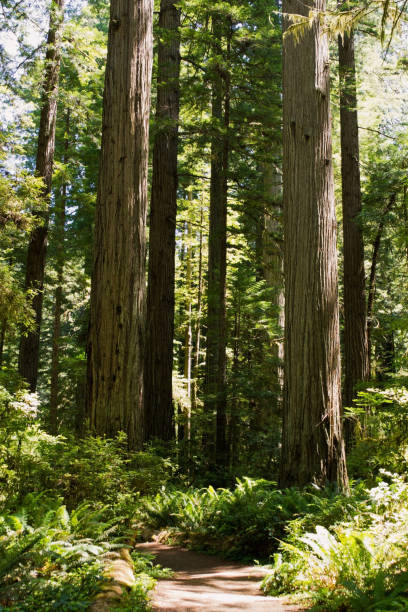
(204, 582)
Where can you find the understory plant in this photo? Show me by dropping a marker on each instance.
(65, 504)
(92, 468)
(245, 522)
(358, 564)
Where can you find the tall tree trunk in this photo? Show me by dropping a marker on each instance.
(355, 324)
(117, 318)
(188, 339)
(159, 413)
(373, 272)
(215, 382)
(28, 358)
(272, 264)
(3, 329)
(312, 445)
(197, 345)
(235, 404)
(60, 216)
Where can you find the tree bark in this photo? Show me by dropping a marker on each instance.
(28, 359)
(215, 382)
(312, 444)
(117, 317)
(355, 324)
(159, 412)
(272, 264)
(60, 216)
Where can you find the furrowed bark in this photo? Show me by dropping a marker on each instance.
(117, 317)
(355, 324)
(159, 412)
(312, 443)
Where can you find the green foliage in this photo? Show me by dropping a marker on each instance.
(357, 564)
(382, 442)
(52, 563)
(93, 469)
(244, 522)
(55, 562)
(65, 505)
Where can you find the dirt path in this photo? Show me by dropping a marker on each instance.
(204, 582)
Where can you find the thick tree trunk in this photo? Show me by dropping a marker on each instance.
(312, 445)
(215, 383)
(159, 412)
(117, 318)
(373, 272)
(30, 343)
(355, 324)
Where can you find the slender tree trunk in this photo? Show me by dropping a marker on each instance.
(272, 264)
(28, 359)
(215, 383)
(60, 260)
(312, 445)
(373, 272)
(188, 340)
(234, 414)
(159, 413)
(188, 346)
(117, 317)
(197, 346)
(355, 324)
(2, 338)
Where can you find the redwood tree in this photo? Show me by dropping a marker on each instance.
(115, 348)
(215, 378)
(162, 233)
(355, 332)
(30, 343)
(312, 446)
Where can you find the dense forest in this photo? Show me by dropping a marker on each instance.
(203, 301)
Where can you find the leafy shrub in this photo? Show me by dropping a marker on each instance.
(383, 442)
(361, 564)
(93, 468)
(54, 563)
(245, 522)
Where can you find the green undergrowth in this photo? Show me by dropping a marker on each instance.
(245, 522)
(332, 551)
(358, 563)
(56, 562)
(66, 504)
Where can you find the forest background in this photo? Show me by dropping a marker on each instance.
(214, 398)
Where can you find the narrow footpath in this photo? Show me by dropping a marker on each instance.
(204, 582)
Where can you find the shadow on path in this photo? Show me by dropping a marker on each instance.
(204, 582)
